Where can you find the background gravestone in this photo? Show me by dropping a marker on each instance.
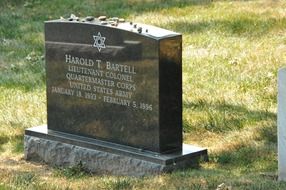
(116, 87)
(281, 122)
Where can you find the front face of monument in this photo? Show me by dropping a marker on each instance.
(114, 84)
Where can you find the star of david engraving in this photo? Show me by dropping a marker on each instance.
(99, 41)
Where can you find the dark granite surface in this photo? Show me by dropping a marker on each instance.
(115, 83)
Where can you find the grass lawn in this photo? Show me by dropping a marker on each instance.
(231, 53)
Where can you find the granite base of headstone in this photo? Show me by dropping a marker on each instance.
(114, 98)
(281, 123)
(66, 150)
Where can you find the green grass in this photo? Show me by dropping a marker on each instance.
(231, 53)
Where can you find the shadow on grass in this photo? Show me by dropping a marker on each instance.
(125, 8)
(245, 155)
(236, 25)
(28, 76)
(110, 8)
(247, 158)
(16, 141)
(221, 117)
(9, 27)
(3, 140)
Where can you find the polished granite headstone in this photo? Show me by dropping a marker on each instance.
(116, 82)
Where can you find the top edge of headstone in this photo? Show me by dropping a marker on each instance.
(282, 69)
(119, 23)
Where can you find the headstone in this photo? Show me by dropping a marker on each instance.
(281, 117)
(114, 88)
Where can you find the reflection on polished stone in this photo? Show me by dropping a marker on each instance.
(115, 83)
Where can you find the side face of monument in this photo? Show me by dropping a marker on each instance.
(281, 122)
(170, 93)
(114, 84)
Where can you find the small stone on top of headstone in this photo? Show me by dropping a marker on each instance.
(89, 18)
(102, 18)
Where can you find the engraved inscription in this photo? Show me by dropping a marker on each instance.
(100, 80)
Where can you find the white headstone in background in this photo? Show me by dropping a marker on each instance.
(281, 122)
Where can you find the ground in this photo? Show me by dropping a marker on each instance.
(232, 51)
